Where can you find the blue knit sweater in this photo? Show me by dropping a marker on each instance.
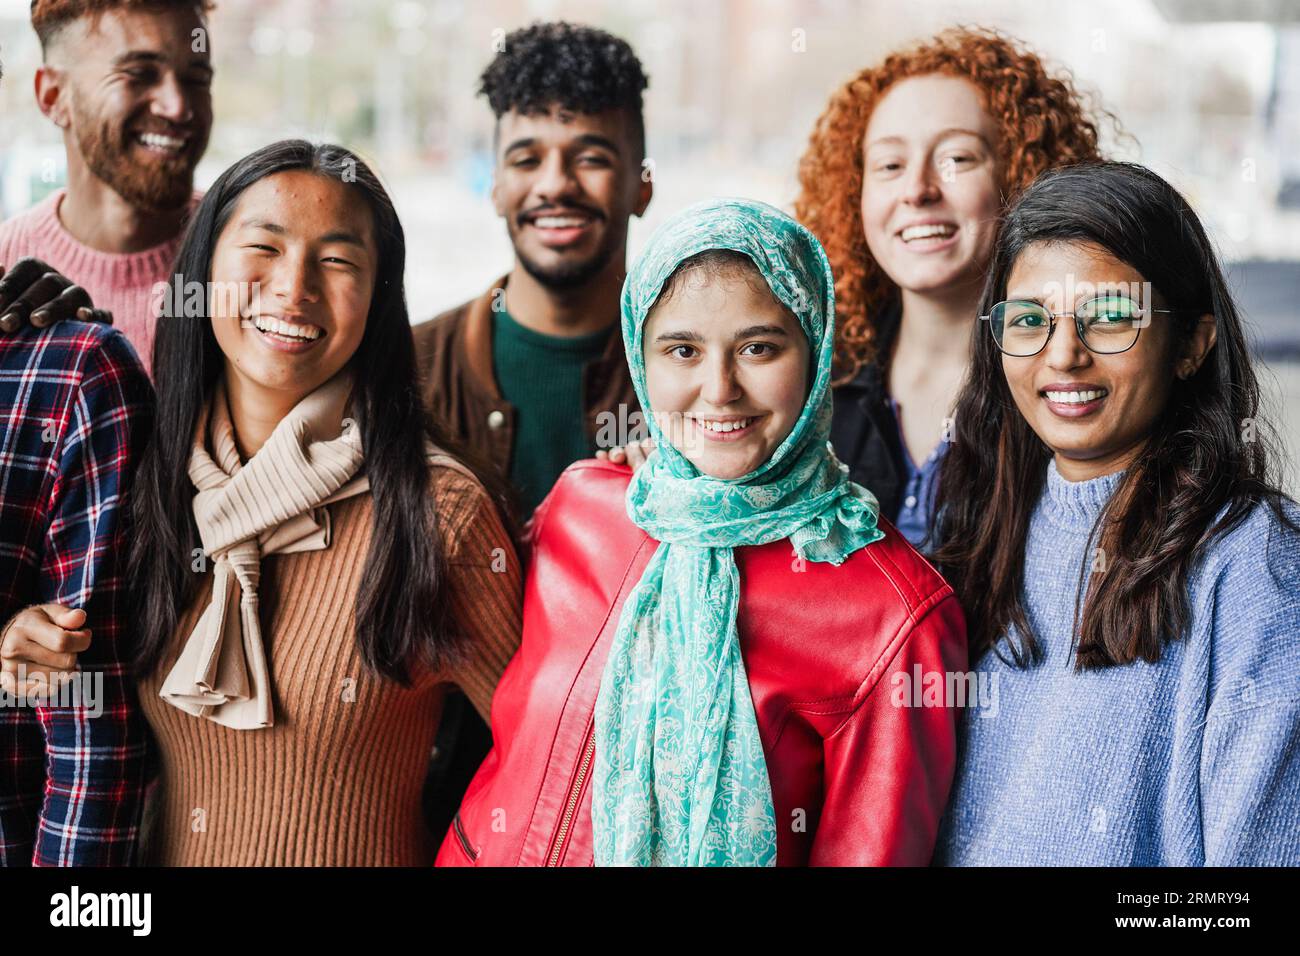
(1192, 760)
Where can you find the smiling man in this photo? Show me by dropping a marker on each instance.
(527, 374)
(129, 84)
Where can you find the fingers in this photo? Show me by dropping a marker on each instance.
(95, 315)
(68, 617)
(634, 454)
(33, 303)
(39, 296)
(66, 305)
(36, 652)
(37, 636)
(44, 645)
(19, 277)
(638, 452)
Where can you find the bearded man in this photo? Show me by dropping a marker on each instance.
(129, 84)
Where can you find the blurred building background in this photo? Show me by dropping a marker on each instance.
(1207, 93)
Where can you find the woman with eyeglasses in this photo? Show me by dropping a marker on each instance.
(1130, 571)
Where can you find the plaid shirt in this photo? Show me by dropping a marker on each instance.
(74, 407)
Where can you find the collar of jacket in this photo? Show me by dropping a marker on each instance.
(864, 431)
(607, 384)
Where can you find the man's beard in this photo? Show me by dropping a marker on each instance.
(569, 275)
(163, 185)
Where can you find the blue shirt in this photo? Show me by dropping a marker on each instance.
(1193, 760)
(913, 520)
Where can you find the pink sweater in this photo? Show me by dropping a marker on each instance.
(121, 283)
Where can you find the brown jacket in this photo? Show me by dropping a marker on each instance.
(454, 354)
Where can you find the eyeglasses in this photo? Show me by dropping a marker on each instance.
(1108, 324)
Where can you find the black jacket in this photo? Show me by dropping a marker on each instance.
(864, 431)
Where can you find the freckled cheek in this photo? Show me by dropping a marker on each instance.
(875, 217)
(977, 202)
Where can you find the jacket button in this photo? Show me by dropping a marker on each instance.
(496, 418)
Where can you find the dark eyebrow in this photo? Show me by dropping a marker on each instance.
(595, 139)
(749, 333)
(754, 330)
(682, 336)
(586, 139)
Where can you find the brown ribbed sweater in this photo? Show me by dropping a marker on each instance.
(337, 780)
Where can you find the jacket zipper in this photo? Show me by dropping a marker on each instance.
(571, 805)
(464, 840)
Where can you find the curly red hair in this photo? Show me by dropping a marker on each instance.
(1042, 121)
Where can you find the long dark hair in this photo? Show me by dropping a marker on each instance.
(401, 604)
(1195, 463)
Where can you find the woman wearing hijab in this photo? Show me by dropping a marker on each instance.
(723, 654)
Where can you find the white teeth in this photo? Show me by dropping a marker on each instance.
(927, 232)
(289, 329)
(714, 426)
(558, 222)
(1075, 398)
(159, 141)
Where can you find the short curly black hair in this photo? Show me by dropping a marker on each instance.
(575, 67)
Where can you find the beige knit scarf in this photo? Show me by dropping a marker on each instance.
(273, 504)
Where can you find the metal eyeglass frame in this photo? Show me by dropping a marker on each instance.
(1078, 326)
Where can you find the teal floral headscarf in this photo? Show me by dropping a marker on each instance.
(680, 777)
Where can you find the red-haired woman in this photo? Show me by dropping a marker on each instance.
(905, 177)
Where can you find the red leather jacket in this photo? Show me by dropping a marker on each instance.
(857, 777)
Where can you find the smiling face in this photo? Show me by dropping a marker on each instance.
(135, 99)
(726, 370)
(930, 193)
(566, 184)
(305, 243)
(1094, 411)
